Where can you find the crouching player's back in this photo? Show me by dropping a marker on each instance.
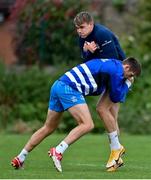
(98, 75)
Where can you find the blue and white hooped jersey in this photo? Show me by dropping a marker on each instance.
(96, 75)
(83, 79)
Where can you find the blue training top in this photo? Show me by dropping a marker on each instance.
(96, 75)
(108, 44)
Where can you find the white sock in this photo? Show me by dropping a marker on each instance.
(22, 155)
(114, 141)
(62, 147)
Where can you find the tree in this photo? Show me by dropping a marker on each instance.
(47, 32)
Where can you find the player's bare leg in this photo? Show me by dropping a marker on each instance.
(50, 125)
(108, 112)
(83, 118)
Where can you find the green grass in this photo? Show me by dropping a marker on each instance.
(85, 159)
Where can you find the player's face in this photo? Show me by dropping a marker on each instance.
(84, 29)
(128, 72)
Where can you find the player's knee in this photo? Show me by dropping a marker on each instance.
(92, 126)
(89, 126)
(47, 129)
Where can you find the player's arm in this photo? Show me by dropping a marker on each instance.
(121, 54)
(85, 54)
(88, 49)
(90, 46)
(118, 88)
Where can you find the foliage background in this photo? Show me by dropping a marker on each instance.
(47, 47)
(49, 26)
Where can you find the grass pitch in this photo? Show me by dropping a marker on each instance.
(85, 159)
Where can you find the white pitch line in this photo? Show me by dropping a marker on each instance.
(84, 164)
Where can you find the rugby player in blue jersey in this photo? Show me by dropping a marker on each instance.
(97, 41)
(68, 94)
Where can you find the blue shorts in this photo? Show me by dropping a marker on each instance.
(62, 97)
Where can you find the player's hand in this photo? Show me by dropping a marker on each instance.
(91, 46)
(85, 47)
(131, 79)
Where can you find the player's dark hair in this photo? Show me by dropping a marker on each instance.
(135, 66)
(83, 17)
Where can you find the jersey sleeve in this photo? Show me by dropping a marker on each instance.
(85, 55)
(118, 88)
(121, 54)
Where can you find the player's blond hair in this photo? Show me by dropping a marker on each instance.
(82, 17)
